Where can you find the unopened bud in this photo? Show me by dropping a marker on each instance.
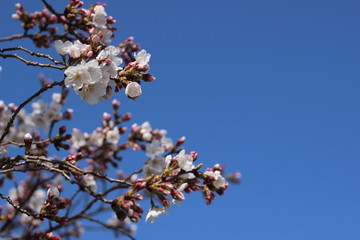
(194, 155)
(68, 114)
(62, 130)
(148, 77)
(122, 130)
(53, 192)
(106, 116)
(180, 141)
(28, 140)
(116, 104)
(126, 117)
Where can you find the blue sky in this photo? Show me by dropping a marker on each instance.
(269, 88)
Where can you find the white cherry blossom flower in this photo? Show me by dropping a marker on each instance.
(155, 212)
(90, 182)
(99, 16)
(113, 136)
(78, 139)
(110, 63)
(142, 59)
(220, 181)
(3, 151)
(155, 166)
(75, 50)
(39, 107)
(96, 137)
(154, 149)
(145, 127)
(77, 76)
(133, 90)
(62, 47)
(37, 199)
(185, 161)
(146, 131)
(92, 93)
(56, 97)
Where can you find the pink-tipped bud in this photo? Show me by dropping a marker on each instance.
(235, 177)
(126, 117)
(122, 130)
(217, 167)
(138, 197)
(194, 155)
(28, 140)
(106, 116)
(139, 184)
(148, 77)
(180, 141)
(68, 114)
(116, 104)
(95, 39)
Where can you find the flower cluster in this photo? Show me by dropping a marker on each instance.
(89, 161)
(43, 115)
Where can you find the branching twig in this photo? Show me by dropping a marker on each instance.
(31, 63)
(18, 208)
(37, 54)
(13, 37)
(107, 226)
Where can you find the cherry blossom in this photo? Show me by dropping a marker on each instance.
(155, 212)
(133, 90)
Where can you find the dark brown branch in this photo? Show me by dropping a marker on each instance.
(18, 208)
(107, 226)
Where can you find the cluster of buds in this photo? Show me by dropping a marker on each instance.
(94, 70)
(43, 20)
(53, 204)
(60, 138)
(127, 50)
(214, 180)
(125, 206)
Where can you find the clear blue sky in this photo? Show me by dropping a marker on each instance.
(269, 88)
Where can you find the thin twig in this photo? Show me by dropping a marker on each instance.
(13, 37)
(37, 54)
(18, 208)
(31, 63)
(107, 226)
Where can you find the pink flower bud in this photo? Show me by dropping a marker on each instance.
(28, 140)
(147, 77)
(95, 39)
(106, 116)
(68, 114)
(194, 155)
(62, 129)
(180, 141)
(139, 184)
(126, 117)
(116, 104)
